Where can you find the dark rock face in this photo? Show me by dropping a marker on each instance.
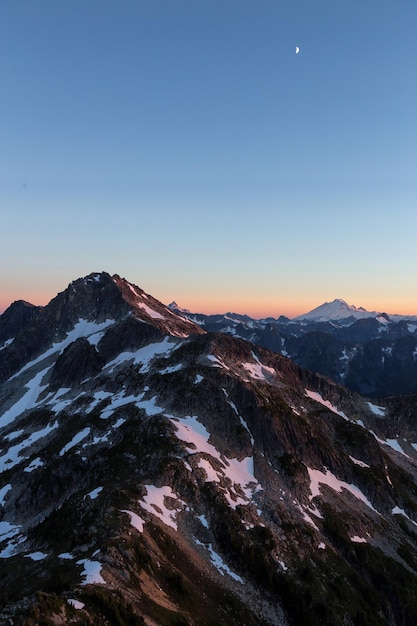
(97, 298)
(15, 318)
(79, 361)
(128, 335)
(167, 479)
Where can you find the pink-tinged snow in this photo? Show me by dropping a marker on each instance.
(190, 430)
(218, 562)
(377, 410)
(76, 604)
(92, 572)
(136, 521)
(211, 474)
(28, 401)
(75, 440)
(82, 328)
(187, 465)
(241, 473)
(309, 519)
(314, 395)
(258, 370)
(358, 462)
(318, 478)
(135, 292)
(141, 295)
(357, 539)
(217, 361)
(154, 503)
(145, 355)
(154, 314)
(12, 457)
(242, 421)
(322, 546)
(305, 511)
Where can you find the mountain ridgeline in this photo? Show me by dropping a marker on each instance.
(154, 470)
(371, 353)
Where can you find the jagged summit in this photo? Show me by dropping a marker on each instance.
(153, 473)
(17, 315)
(173, 306)
(336, 310)
(151, 310)
(100, 296)
(87, 306)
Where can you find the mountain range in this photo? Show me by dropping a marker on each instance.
(372, 353)
(158, 468)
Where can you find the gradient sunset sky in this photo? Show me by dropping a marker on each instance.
(186, 146)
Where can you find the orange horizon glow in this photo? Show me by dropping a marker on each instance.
(257, 308)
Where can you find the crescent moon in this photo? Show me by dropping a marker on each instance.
(297, 49)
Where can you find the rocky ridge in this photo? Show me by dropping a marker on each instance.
(373, 354)
(155, 473)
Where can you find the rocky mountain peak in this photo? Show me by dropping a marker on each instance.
(149, 309)
(15, 317)
(153, 475)
(86, 306)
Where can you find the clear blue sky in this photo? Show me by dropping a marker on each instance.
(186, 146)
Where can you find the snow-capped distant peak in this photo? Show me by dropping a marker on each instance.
(336, 310)
(175, 307)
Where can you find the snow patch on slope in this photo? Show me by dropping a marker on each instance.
(28, 401)
(144, 355)
(12, 457)
(155, 503)
(239, 474)
(318, 478)
(314, 395)
(83, 328)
